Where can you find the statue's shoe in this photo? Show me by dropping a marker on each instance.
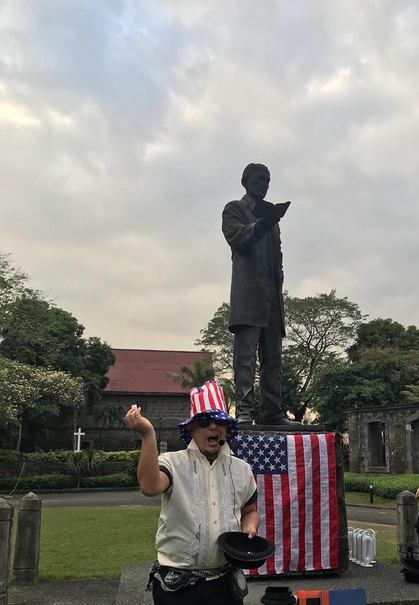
(244, 420)
(280, 420)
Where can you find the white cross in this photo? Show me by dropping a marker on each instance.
(79, 435)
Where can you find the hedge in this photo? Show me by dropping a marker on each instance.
(27, 484)
(62, 456)
(37, 482)
(117, 480)
(387, 486)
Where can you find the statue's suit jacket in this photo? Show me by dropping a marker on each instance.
(257, 267)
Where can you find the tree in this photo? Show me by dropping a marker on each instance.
(12, 285)
(40, 334)
(84, 463)
(384, 333)
(200, 372)
(318, 330)
(216, 338)
(28, 393)
(378, 378)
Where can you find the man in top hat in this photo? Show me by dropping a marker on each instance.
(205, 491)
(250, 226)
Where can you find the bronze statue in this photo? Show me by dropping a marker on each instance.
(250, 226)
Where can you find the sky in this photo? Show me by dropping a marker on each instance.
(125, 126)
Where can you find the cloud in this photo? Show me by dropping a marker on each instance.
(125, 128)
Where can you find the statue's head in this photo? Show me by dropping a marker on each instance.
(255, 179)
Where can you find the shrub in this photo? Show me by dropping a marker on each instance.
(387, 486)
(117, 480)
(84, 463)
(37, 482)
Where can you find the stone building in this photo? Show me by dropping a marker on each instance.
(384, 440)
(138, 376)
(144, 378)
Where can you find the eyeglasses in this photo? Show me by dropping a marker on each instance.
(204, 421)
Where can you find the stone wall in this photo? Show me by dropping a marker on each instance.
(108, 433)
(379, 440)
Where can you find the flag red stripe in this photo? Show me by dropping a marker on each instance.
(286, 523)
(301, 491)
(333, 512)
(315, 454)
(270, 520)
(260, 505)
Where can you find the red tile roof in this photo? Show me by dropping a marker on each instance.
(143, 371)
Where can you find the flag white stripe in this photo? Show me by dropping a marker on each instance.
(277, 490)
(206, 402)
(292, 480)
(324, 502)
(195, 407)
(308, 459)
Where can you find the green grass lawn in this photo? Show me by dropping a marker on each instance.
(95, 542)
(363, 498)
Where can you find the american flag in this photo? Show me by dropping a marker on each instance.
(297, 501)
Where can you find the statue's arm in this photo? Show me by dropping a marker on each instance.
(241, 235)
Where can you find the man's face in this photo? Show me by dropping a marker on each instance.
(207, 438)
(258, 184)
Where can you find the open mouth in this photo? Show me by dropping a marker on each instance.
(213, 439)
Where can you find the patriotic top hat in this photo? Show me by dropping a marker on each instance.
(208, 399)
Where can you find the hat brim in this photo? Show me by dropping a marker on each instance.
(232, 430)
(245, 552)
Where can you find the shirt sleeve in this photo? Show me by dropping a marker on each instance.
(253, 499)
(251, 487)
(165, 466)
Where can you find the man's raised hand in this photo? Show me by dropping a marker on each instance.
(137, 422)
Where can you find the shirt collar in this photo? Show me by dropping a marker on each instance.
(224, 450)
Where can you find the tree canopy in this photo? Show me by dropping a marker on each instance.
(200, 372)
(37, 333)
(318, 330)
(384, 333)
(377, 378)
(28, 392)
(46, 364)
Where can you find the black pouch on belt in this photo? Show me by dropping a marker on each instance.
(238, 585)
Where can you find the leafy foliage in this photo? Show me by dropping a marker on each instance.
(216, 338)
(62, 456)
(384, 334)
(83, 463)
(371, 378)
(318, 330)
(12, 286)
(37, 482)
(387, 486)
(200, 372)
(24, 388)
(39, 334)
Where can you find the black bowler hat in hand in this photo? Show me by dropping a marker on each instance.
(244, 552)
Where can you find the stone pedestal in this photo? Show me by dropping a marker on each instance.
(6, 522)
(26, 560)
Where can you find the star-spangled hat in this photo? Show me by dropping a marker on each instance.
(208, 399)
